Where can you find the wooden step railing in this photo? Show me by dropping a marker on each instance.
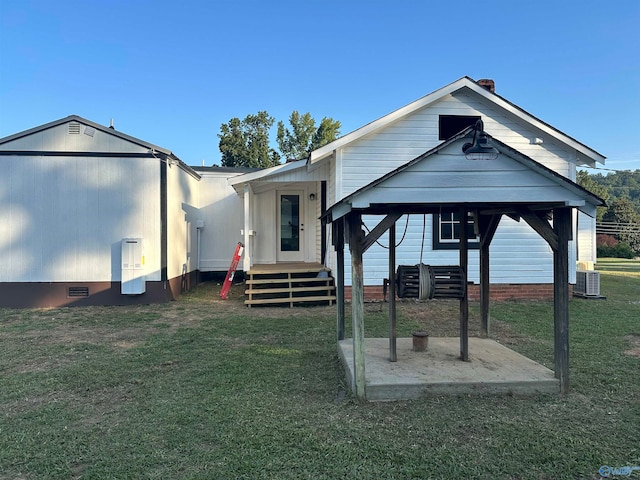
(289, 284)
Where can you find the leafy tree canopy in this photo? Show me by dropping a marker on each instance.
(622, 211)
(621, 191)
(245, 143)
(585, 180)
(303, 137)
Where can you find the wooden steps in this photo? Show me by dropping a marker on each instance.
(289, 284)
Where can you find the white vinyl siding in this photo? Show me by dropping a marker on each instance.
(518, 254)
(586, 238)
(264, 217)
(222, 211)
(370, 157)
(447, 177)
(182, 215)
(265, 223)
(63, 217)
(58, 139)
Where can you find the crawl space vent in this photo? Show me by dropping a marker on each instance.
(74, 129)
(78, 292)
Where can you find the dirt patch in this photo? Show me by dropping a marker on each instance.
(634, 340)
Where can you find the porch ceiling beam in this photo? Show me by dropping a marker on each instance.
(379, 229)
(514, 211)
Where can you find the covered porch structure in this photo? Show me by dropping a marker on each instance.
(511, 184)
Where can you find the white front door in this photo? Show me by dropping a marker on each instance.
(290, 234)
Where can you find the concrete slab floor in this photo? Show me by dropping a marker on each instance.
(493, 368)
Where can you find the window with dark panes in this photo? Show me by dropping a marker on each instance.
(446, 231)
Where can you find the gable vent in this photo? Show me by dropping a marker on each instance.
(78, 292)
(74, 128)
(89, 131)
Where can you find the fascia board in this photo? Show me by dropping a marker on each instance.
(102, 128)
(537, 123)
(381, 122)
(467, 82)
(267, 172)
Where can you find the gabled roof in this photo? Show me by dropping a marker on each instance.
(345, 205)
(460, 84)
(218, 169)
(153, 149)
(76, 118)
(266, 173)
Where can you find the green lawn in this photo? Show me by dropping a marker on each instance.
(205, 389)
(619, 265)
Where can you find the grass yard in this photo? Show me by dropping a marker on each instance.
(206, 389)
(620, 266)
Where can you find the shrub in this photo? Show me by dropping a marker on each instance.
(604, 240)
(621, 250)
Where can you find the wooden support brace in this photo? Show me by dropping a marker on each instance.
(541, 226)
(379, 229)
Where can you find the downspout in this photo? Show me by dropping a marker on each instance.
(199, 227)
(163, 224)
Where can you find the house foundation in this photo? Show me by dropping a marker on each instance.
(499, 292)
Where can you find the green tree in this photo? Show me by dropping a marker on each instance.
(622, 184)
(622, 211)
(245, 143)
(303, 137)
(327, 132)
(585, 180)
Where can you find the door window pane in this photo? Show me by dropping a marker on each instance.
(290, 223)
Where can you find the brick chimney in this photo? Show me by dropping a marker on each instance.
(488, 84)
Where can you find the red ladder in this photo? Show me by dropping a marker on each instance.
(232, 271)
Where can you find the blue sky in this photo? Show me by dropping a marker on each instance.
(171, 72)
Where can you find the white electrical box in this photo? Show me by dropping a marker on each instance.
(133, 278)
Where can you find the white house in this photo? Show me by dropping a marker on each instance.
(76, 190)
(340, 168)
(77, 196)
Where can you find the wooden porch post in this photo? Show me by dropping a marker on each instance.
(562, 228)
(248, 226)
(393, 356)
(356, 238)
(464, 301)
(338, 242)
(487, 226)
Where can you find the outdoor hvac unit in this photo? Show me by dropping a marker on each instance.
(587, 283)
(133, 279)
